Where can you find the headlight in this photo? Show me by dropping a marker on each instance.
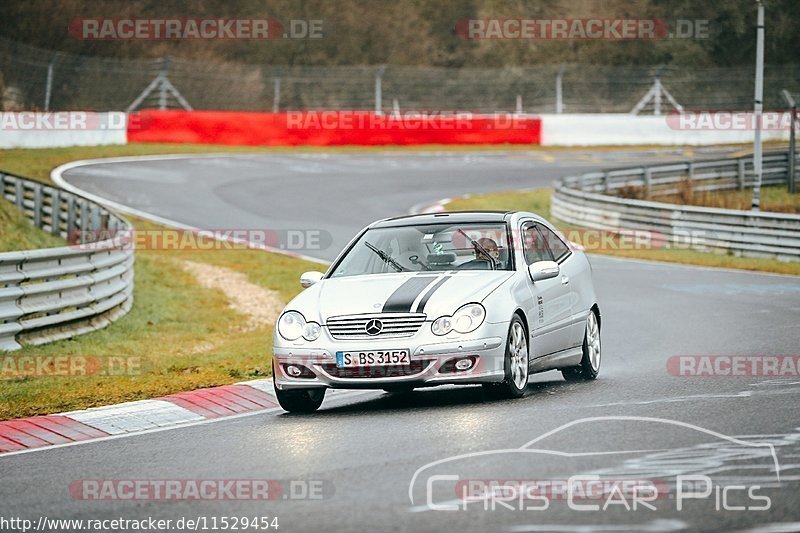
(442, 326)
(468, 318)
(292, 325)
(311, 331)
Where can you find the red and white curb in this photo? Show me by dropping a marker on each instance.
(175, 410)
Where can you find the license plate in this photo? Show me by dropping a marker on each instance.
(357, 359)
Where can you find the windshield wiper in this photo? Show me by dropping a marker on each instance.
(388, 259)
(480, 248)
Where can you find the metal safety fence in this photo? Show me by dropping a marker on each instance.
(588, 201)
(57, 293)
(37, 79)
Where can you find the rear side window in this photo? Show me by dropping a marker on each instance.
(557, 247)
(534, 245)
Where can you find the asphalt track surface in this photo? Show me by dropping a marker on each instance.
(374, 451)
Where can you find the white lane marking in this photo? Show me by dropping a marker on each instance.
(659, 524)
(56, 175)
(675, 399)
(130, 417)
(776, 527)
(710, 396)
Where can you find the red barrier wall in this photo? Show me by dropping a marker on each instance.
(328, 128)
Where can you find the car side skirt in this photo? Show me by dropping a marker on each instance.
(562, 359)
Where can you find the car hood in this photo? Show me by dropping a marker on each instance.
(432, 293)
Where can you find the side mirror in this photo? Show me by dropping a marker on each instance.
(542, 270)
(308, 279)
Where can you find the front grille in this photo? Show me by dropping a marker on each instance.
(395, 325)
(375, 371)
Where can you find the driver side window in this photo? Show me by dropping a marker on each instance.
(557, 247)
(533, 244)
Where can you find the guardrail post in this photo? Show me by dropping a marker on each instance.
(559, 91)
(70, 217)
(276, 95)
(37, 206)
(648, 181)
(792, 158)
(379, 89)
(55, 212)
(605, 181)
(19, 191)
(95, 213)
(84, 222)
(740, 174)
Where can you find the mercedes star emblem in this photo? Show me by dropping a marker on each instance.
(373, 327)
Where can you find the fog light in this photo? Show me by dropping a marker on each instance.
(294, 371)
(463, 364)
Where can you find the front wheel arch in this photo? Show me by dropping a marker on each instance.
(521, 314)
(509, 388)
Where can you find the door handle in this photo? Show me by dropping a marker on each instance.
(564, 280)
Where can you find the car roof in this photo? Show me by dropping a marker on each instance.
(456, 217)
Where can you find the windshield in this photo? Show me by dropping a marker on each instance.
(430, 247)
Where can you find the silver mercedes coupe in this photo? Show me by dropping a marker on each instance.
(452, 298)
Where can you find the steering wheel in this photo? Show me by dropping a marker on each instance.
(414, 259)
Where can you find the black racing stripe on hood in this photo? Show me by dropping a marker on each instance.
(403, 298)
(429, 293)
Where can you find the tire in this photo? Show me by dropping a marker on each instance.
(589, 367)
(516, 364)
(300, 400)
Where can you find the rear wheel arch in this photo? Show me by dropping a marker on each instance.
(596, 309)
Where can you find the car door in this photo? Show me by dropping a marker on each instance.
(550, 318)
(573, 274)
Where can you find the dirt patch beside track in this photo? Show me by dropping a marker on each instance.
(260, 305)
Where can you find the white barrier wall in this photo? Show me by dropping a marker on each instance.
(31, 129)
(691, 129)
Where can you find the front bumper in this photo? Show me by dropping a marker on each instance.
(431, 360)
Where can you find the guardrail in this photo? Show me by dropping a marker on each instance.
(585, 201)
(57, 293)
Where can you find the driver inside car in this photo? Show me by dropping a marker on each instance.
(483, 261)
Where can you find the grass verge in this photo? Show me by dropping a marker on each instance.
(19, 234)
(178, 336)
(538, 201)
(776, 199)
